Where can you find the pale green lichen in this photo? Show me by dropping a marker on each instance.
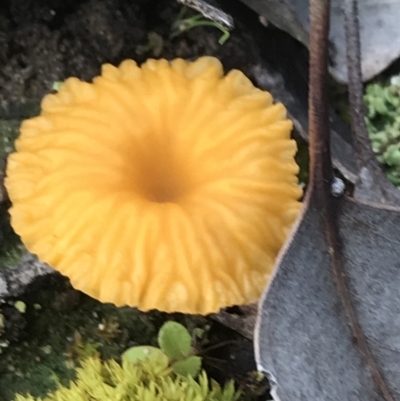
(383, 122)
(20, 306)
(145, 381)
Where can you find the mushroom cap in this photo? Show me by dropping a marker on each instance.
(167, 186)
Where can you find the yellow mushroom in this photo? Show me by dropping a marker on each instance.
(167, 186)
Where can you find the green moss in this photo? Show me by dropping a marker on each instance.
(383, 122)
(11, 248)
(20, 110)
(145, 380)
(11, 251)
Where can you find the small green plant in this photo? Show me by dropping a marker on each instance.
(154, 45)
(383, 122)
(184, 23)
(168, 373)
(175, 347)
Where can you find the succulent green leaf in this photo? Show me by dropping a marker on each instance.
(144, 352)
(188, 367)
(174, 340)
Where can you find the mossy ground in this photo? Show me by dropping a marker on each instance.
(62, 327)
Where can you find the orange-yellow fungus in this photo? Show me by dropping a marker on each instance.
(167, 186)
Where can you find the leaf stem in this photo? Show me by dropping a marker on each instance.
(320, 155)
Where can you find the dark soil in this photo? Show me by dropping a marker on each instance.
(43, 41)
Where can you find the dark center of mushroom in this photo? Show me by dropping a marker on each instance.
(163, 175)
(163, 182)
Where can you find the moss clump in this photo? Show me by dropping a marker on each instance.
(383, 122)
(143, 381)
(63, 331)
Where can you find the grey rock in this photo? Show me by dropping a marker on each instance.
(14, 281)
